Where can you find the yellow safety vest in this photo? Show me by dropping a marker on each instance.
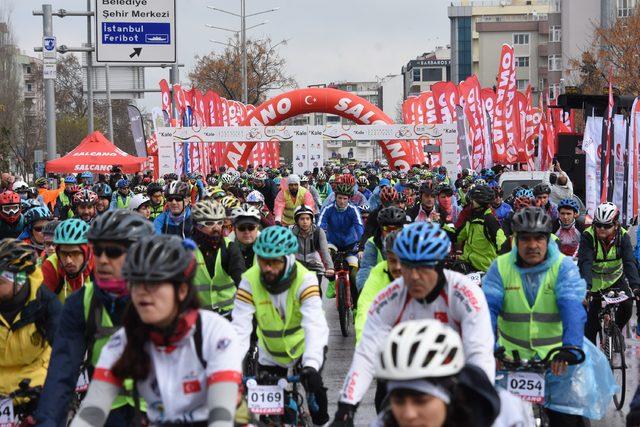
(218, 292)
(607, 268)
(290, 205)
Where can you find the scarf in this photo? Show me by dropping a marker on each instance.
(176, 331)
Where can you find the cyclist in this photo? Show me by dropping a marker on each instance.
(11, 218)
(196, 382)
(90, 316)
(500, 209)
(380, 276)
(607, 262)
(122, 197)
(535, 297)
(104, 193)
(246, 223)
(481, 237)
(284, 297)
(84, 205)
(390, 219)
(289, 199)
(141, 203)
(427, 379)
(570, 231)
(363, 186)
(62, 209)
(70, 267)
(427, 210)
(313, 249)
(323, 187)
(541, 192)
(357, 198)
(267, 187)
(48, 196)
(34, 222)
(256, 199)
(343, 226)
(219, 265)
(177, 218)
(388, 196)
(48, 232)
(304, 183)
(425, 291)
(156, 200)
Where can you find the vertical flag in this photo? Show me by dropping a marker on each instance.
(166, 100)
(607, 153)
(499, 135)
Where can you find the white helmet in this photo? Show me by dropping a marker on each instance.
(420, 349)
(20, 186)
(606, 213)
(255, 197)
(227, 178)
(207, 210)
(137, 201)
(245, 211)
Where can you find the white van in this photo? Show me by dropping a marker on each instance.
(510, 180)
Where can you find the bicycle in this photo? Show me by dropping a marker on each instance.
(526, 378)
(611, 340)
(344, 300)
(14, 414)
(278, 400)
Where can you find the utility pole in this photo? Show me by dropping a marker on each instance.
(243, 40)
(90, 72)
(49, 89)
(109, 107)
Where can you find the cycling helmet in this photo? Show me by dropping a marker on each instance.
(10, 214)
(428, 188)
(531, 220)
(422, 243)
(50, 227)
(20, 187)
(392, 215)
(245, 211)
(482, 194)
(275, 242)
(171, 177)
(140, 189)
(480, 181)
(260, 176)
(85, 197)
(177, 189)
(160, 258)
(153, 188)
(138, 200)
(17, 256)
(444, 188)
(489, 174)
(388, 195)
(364, 209)
(255, 197)
(41, 182)
(569, 204)
(86, 175)
(304, 178)
(321, 176)
(122, 183)
(70, 179)
(228, 179)
(541, 188)
(37, 214)
(363, 181)
(418, 349)
(71, 232)
(9, 198)
(524, 193)
(303, 210)
(344, 189)
(606, 213)
(102, 190)
(208, 210)
(28, 204)
(217, 192)
(346, 179)
(230, 202)
(119, 225)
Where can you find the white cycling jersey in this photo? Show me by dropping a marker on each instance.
(461, 305)
(176, 388)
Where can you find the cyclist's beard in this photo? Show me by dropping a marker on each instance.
(201, 238)
(562, 225)
(279, 284)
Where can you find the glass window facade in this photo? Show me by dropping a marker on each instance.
(431, 74)
(464, 48)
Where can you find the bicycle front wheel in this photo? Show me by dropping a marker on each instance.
(618, 363)
(344, 310)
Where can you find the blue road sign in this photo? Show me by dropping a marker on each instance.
(136, 33)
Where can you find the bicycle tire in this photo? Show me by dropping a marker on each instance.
(343, 310)
(618, 364)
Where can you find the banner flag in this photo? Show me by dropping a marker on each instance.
(619, 143)
(591, 145)
(499, 126)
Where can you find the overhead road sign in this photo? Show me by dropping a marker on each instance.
(140, 31)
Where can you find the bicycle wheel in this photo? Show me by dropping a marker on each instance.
(617, 362)
(344, 312)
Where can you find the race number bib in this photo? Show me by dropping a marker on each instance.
(83, 382)
(527, 386)
(6, 412)
(265, 399)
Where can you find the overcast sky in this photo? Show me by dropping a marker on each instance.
(330, 40)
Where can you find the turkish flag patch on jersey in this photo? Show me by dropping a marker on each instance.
(192, 386)
(441, 316)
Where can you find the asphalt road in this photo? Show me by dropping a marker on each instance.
(341, 351)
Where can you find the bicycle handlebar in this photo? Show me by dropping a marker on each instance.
(518, 364)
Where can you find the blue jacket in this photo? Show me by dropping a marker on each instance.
(570, 292)
(367, 193)
(166, 224)
(502, 212)
(369, 260)
(68, 353)
(343, 229)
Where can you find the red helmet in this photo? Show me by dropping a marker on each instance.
(388, 195)
(346, 179)
(10, 206)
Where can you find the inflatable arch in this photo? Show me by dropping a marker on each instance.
(320, 100)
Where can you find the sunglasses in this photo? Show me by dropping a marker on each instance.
(10, 209)
(174, 199)
(246, 227)
(605, 226)
(38, 228)
(211, 223)
(112, 252)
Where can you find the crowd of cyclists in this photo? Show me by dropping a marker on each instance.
(126, 300)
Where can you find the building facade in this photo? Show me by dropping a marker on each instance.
(429, 68)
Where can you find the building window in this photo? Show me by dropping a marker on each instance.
(625, 8)
(522, 84)
(555, 63)
(29, 87)
(522, 61)
(521, 38)
(416, 75)
(555, 33)
(431, 74)
(28, 69)
(554, 91)
(464, 48)
(556, 6)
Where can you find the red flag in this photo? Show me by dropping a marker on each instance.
(607, 157)
(473, 112)
(503, 89)
(181, 103)
(166, 98)
(428, 103)
(520, 118)
(446, 98)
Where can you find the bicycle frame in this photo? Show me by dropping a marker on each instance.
(342, 272)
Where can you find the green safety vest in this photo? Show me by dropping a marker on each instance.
(607, 268)
(282, 338)
(377, 281)
(532, 331)
(64, 199)
(104, 330)
(218, 292)
(66, 288)
(379, 257)
(123, 202)
(155, 210)
(323, 191)
(478, 250)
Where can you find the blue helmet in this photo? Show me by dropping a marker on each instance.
(87, 175)
(489, 173)
(525, 193)
(422, 243)
(569, 203)
(102, 190)
(37, 214)
(70, 179)
(122, 183)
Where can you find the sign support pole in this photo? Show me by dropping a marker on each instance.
(89, 73)
(109, 107)
(49, 89)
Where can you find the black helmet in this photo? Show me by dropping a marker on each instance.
(444, 188)
(392, 215)
(482, 194)
(153, 188)
(531, 220)
(119, 225)
(541, 188)
(177, 189)
(16, 256)
(427, 188)
(160, 258)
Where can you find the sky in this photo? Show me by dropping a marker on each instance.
(328, 40)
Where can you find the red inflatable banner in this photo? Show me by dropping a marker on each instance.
(319, 100)
(499, 137)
